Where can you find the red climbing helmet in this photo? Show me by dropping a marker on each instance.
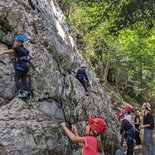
(119, 116)
(127, 108)
(98, 125)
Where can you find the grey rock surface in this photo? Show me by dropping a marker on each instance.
(33, 127)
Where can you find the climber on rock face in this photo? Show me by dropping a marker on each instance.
(82, 77)
(91, 143)
(22, 65)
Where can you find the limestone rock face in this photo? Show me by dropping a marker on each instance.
(33, 127)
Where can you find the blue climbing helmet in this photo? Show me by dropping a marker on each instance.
(19, 37)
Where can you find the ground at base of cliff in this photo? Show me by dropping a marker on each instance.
(142, 150)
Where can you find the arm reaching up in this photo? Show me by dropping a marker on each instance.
(74, 129)
(71, 135)
(7, 52)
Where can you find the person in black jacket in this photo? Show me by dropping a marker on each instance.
(22, 66)
(137, 125)
(127, 127)
(148, 125)
(82, 77)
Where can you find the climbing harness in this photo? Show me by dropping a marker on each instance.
(131, 134)
(23, 58)
(19, 68)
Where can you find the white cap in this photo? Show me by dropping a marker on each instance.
(83, 65)
(147, 105)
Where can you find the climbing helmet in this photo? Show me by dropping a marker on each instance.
(97, 125)
(19, 37)
(83, 66)
(127, 108)
(119, 116)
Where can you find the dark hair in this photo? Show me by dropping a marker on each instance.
(134, 110)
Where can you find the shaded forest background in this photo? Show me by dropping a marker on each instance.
(117, 38)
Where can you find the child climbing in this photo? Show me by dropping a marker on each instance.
(22, 66)
(82, 77)
(127, 127)
(91, 143)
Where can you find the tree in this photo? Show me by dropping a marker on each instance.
(117, 36)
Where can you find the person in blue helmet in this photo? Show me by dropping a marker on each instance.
(22, 66)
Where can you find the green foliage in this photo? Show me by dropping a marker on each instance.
(118, 35)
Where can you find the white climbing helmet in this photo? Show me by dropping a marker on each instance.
(83, 65)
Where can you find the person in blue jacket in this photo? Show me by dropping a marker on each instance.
(22, 66)
(82, 77)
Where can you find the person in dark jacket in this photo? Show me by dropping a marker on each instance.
(127, 127)
(22, 65)
(137, 125)
(82, 77)
(148, 125)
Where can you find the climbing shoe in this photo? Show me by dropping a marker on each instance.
(24, 95)
(87, 93)
(29, 96)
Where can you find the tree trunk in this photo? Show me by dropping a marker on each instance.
(107, 66)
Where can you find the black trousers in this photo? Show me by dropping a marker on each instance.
(130, 145)
(21, 82)
(137, 138)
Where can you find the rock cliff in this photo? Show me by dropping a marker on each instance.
(33, 127)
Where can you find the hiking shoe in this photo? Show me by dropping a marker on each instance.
(136, 147)
(29, 96)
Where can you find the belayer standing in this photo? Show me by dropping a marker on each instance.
(91, 143)
(82, 77)
(22, 65)
(127, 127)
